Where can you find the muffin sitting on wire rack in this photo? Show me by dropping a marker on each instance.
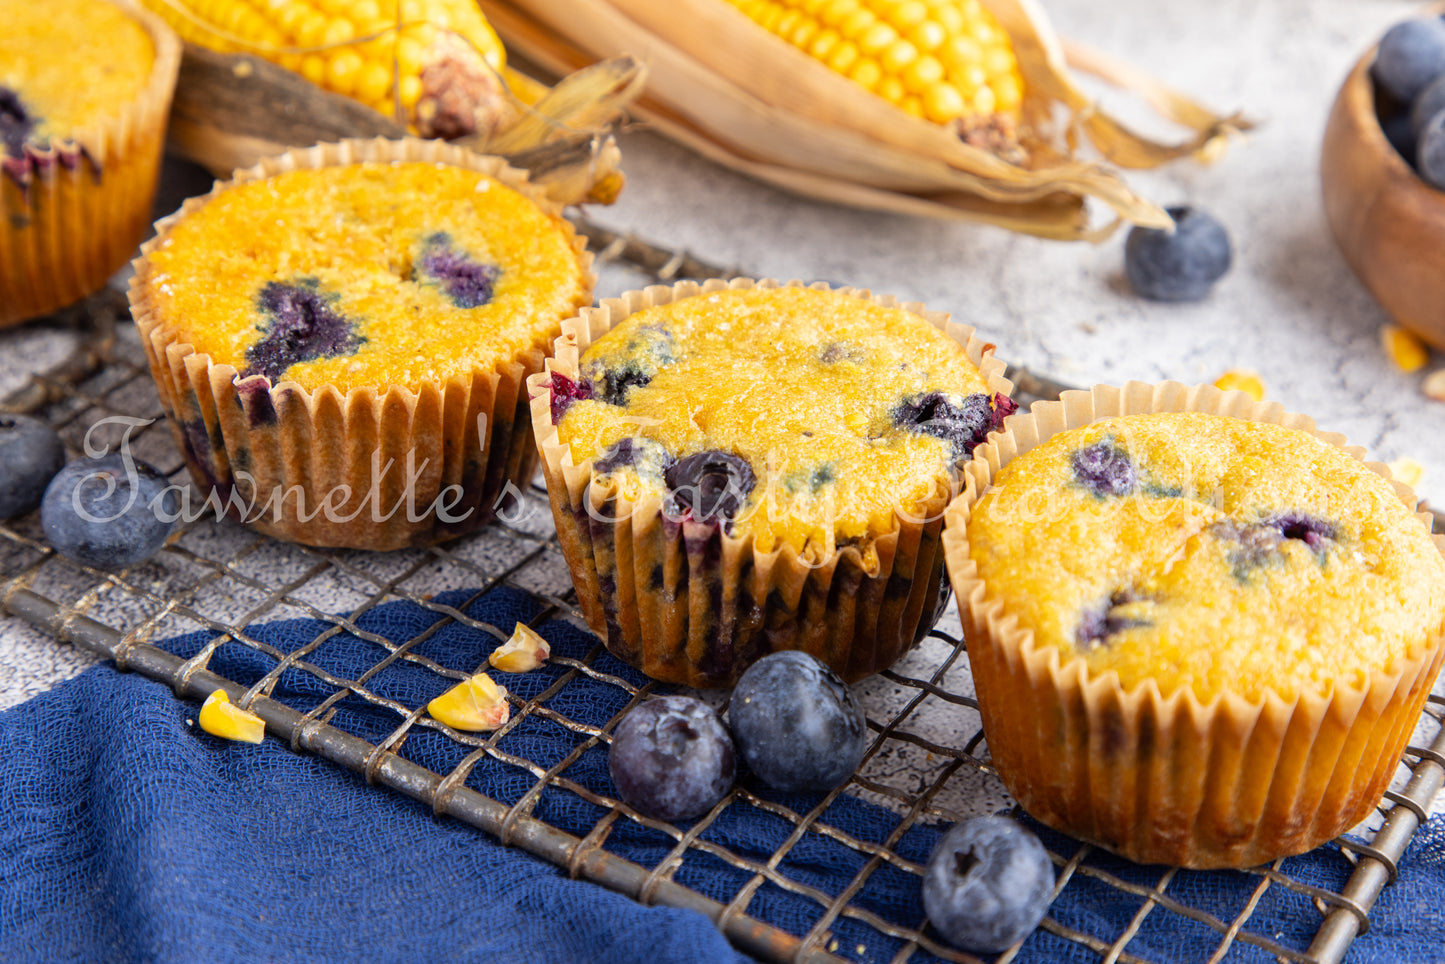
(741, 468)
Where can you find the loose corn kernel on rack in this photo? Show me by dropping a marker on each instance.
(223, 580)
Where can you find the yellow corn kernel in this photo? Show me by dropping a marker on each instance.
(922, 74)
(374, 84)
(1405, 349)
(786, 22)
(220, 717)
(866, 73)
(842, 57)
(858, 23)
(476, 703)
(891, 89)
(1241, 380)
(897, 56)
(823, 44)
(834, 11)
(342, 72)
(1434, 385)
(928, 35)
(913, 104)
(1408, 471)
(943, 103)
(877, 39)
(522, 653)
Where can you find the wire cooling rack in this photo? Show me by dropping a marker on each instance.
(223, 581)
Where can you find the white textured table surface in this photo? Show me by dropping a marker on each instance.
(1290, 307)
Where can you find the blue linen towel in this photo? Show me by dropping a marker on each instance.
(128, 834)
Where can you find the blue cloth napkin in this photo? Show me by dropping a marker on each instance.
(128, 834)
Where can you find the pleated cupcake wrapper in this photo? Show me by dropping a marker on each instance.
(1169, 779)
(365, 469)
(71, 214)
(688, 603)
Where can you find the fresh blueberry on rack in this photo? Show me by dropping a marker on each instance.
(30, 455)
(671, 758)
(302, 325)
(709, 485)
(1411, 55)
(988, 884)
(1178, 265)
(797, 724)
(1105, 469)
(109, 512)
(963, 424)
(1430, 154)
(16, 123)
(468, 283)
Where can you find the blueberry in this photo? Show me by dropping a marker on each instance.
(30, 455)
(671, 758)
(16, 123)
(1098, 624)
(468, 283)
(963, 425)
(1399, 131)
(798, 726)
(708, 485)
(1105, 469)
(614, 385)
(303, 325)
(988, 884)
(1178, 265)
(621, 453)
(1411, 55)
(1430, 102)
(1311, 531)
(1430, 155)
(109, 512)
(564, 392)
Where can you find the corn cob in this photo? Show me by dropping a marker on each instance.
(943, 60)
(446, 55)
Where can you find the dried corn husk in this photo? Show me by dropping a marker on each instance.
(231, 110)
(739, 95)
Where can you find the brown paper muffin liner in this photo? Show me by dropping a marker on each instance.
(312, 467)
(72, 213)
(687, 603)
(1166, 778)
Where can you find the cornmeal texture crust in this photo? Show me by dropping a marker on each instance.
(367, 276)
(1208, 552)
(843, 412)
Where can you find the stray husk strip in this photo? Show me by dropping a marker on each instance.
(772, 111)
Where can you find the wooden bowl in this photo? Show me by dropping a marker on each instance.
(1388, 223)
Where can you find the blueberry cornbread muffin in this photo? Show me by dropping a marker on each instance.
(742, 468)
(1197, 638)
(341, 336)
(85, 86)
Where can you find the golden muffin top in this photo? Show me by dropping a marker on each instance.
(66, 65)
(367, 276)
(1210, 552)
(801, 417)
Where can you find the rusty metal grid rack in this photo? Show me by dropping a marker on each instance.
(223, 581)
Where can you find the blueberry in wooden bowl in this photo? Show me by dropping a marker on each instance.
(1388, 220)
